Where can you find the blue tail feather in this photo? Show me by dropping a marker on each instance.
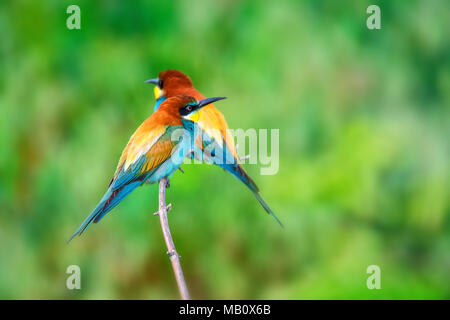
(236, 170)
(224, 159)
(108, 202)
(228, 163)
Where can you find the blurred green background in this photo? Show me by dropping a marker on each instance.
(364, 174)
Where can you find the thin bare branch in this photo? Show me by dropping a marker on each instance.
(171, 251)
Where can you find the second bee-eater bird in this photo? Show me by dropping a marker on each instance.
(151, 154)
(212, 126)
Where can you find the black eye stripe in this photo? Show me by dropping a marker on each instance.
(186, 110)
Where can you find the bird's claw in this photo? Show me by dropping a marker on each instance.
(244, 157)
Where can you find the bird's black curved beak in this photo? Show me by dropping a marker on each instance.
(207, 101)
(155, 81)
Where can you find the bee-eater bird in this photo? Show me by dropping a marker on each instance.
(213, 129)
(151, 153)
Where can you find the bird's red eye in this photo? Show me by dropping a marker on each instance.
(189, 108)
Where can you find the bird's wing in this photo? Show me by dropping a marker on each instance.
(144, 153)
(226, 134)
(213, 123)
(146, 150)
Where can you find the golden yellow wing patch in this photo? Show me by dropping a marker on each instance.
(214, 124)
(158, 153)
(139, 144)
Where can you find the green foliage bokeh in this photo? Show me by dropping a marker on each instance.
(364, 173)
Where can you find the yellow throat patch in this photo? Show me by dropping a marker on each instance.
(158, 92)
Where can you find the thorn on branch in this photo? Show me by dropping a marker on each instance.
(168, 208)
